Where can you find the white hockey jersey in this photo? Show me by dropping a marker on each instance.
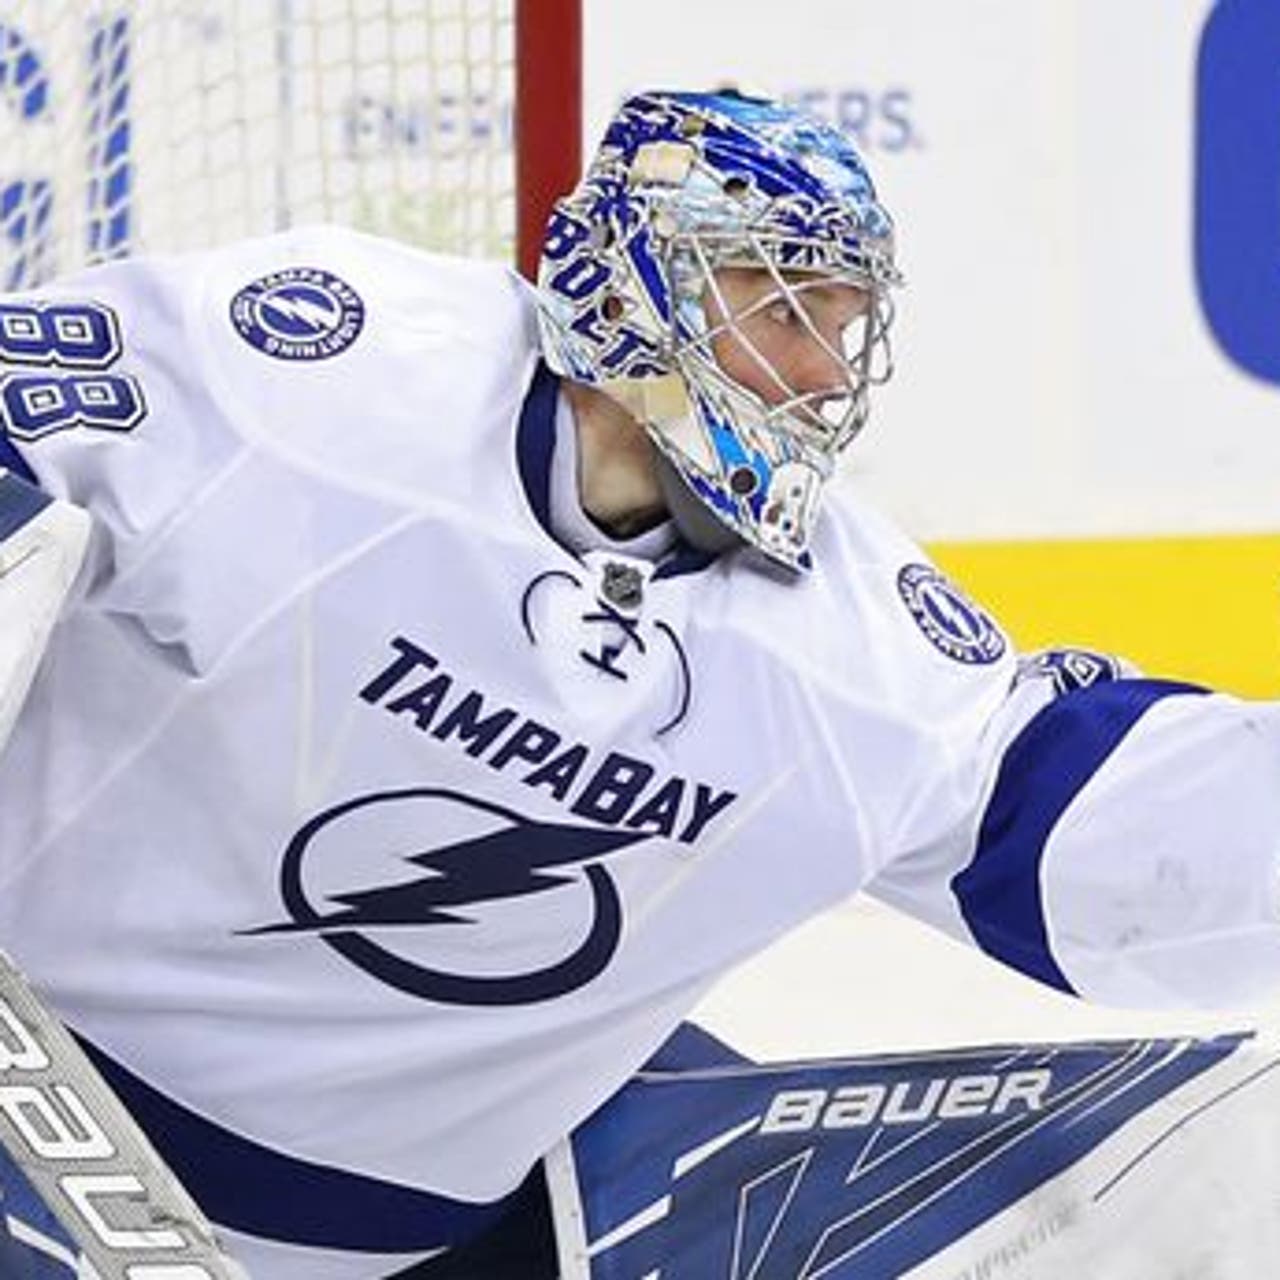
(370, 836)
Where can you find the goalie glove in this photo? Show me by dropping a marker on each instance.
(42, 545)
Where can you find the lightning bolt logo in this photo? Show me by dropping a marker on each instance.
(298, 313)
(517, 858)
(949, 619)
(950, 614)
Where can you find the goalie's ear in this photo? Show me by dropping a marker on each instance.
(42, 545)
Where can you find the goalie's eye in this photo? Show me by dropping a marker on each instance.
(781, 312)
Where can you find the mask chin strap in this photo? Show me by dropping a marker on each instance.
(697, 526)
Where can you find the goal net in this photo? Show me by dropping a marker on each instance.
(131, 125)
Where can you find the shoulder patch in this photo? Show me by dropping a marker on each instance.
(298, 313)
(951, 622)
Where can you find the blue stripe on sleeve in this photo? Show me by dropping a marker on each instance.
(11, 459)
(20, 503)
(1055, 755)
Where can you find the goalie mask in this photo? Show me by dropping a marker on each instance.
(704, 221)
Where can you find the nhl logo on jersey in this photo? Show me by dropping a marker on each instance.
(950, 620)
(298, 313)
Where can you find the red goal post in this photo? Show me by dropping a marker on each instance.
(132, 125)
(548, 115)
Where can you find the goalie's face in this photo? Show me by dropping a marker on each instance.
(776, 365)
(793, 341)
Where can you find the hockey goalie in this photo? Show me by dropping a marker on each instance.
(453, 677)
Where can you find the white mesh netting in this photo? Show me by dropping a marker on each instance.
(167, 124)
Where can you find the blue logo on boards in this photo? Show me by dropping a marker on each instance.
(1237, 191)
(32, 97)
(951, 621)
(298, 313)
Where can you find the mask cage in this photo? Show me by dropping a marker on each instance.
(814, 424)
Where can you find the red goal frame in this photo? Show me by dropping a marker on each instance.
(548, 116)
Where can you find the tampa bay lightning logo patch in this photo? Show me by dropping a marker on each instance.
(950, 620)
(427, 891)
(298, 313)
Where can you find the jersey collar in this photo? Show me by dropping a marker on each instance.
(535, 453)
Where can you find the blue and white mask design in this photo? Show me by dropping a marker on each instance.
(724, 272)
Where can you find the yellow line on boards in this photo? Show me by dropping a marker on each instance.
(1205, 609)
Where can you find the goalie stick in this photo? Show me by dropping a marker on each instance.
(82, 1154)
